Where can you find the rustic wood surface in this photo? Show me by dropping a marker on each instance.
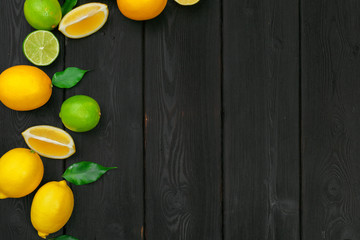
(234, 119)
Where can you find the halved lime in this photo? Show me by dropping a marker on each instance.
(41, 47)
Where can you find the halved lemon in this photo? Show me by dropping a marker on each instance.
(187, 2)
(84, 20)
(50, 142)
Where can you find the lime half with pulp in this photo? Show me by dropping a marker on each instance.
(41, 47)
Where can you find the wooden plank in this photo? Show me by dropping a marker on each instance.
(331, 112)
(114, 204)
(15, 213)
(183, 123)
(261, 119)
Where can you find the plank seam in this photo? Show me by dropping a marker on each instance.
(143, 232)
(222, 118)
(300, 121)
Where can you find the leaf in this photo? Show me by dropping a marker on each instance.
(65, 237)
(82, 173)
(68, 78)
(67, 6)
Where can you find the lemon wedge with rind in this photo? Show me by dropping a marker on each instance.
(187, 2)
(49, 141)
(84, 20)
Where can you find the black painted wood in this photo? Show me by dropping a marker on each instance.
(183, 123)
(111, 208)
(261, 119)
(331, 133)
(212, 93)
(15, 213)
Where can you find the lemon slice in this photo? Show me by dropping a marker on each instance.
(50, 142)
(187, 2)
(84, 20)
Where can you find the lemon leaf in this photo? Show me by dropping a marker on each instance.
(68, 78)
(82, 173)
(67, 6)
(65, 237)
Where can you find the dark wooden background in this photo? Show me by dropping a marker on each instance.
(230, 119)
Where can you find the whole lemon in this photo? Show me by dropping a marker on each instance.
(24, 88)
(80, 113)
(21, 171)
(41, 14)
(141, 9)
(52, 207)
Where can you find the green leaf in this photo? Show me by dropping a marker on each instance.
(68, 78)
(82, 173)
(67, 6)
(65, 237)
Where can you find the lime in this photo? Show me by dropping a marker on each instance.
(41, 47)
(42, 15)
(80, 113)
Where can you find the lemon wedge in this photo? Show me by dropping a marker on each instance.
(84, 20)
(187, 2)
(50, 142)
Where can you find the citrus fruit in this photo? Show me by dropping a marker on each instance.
(41, 47)
(21, 171)
(141, 9)
(50, 142)
(187, 2)
(42, 15)
(84, 20)
(80, 113)
(52, 207)
(24, 88)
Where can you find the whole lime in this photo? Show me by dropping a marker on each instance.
(43, 14)
(80, 113)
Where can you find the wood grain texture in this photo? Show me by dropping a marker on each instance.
(15, 213)
(331, 113)
(261, 119)
(111, 208)
(183, 123)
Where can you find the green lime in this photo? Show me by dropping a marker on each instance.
(41, 47)
(42, 15)
(80, 113)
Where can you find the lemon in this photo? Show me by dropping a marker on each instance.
(42, 15)
(84, 20)
(52, 207)
(80, 113)
(50, 142)
(21, 171)
(187, 2)
(24, 88)
(141, 9)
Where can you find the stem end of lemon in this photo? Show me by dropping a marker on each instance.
(43, 235)
(3, 196)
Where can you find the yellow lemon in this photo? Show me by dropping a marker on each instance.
(21, 171)
(84, 20)
(52, 207)
(141, 9)
(24, 88)
(187, 2)
(50, 142)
